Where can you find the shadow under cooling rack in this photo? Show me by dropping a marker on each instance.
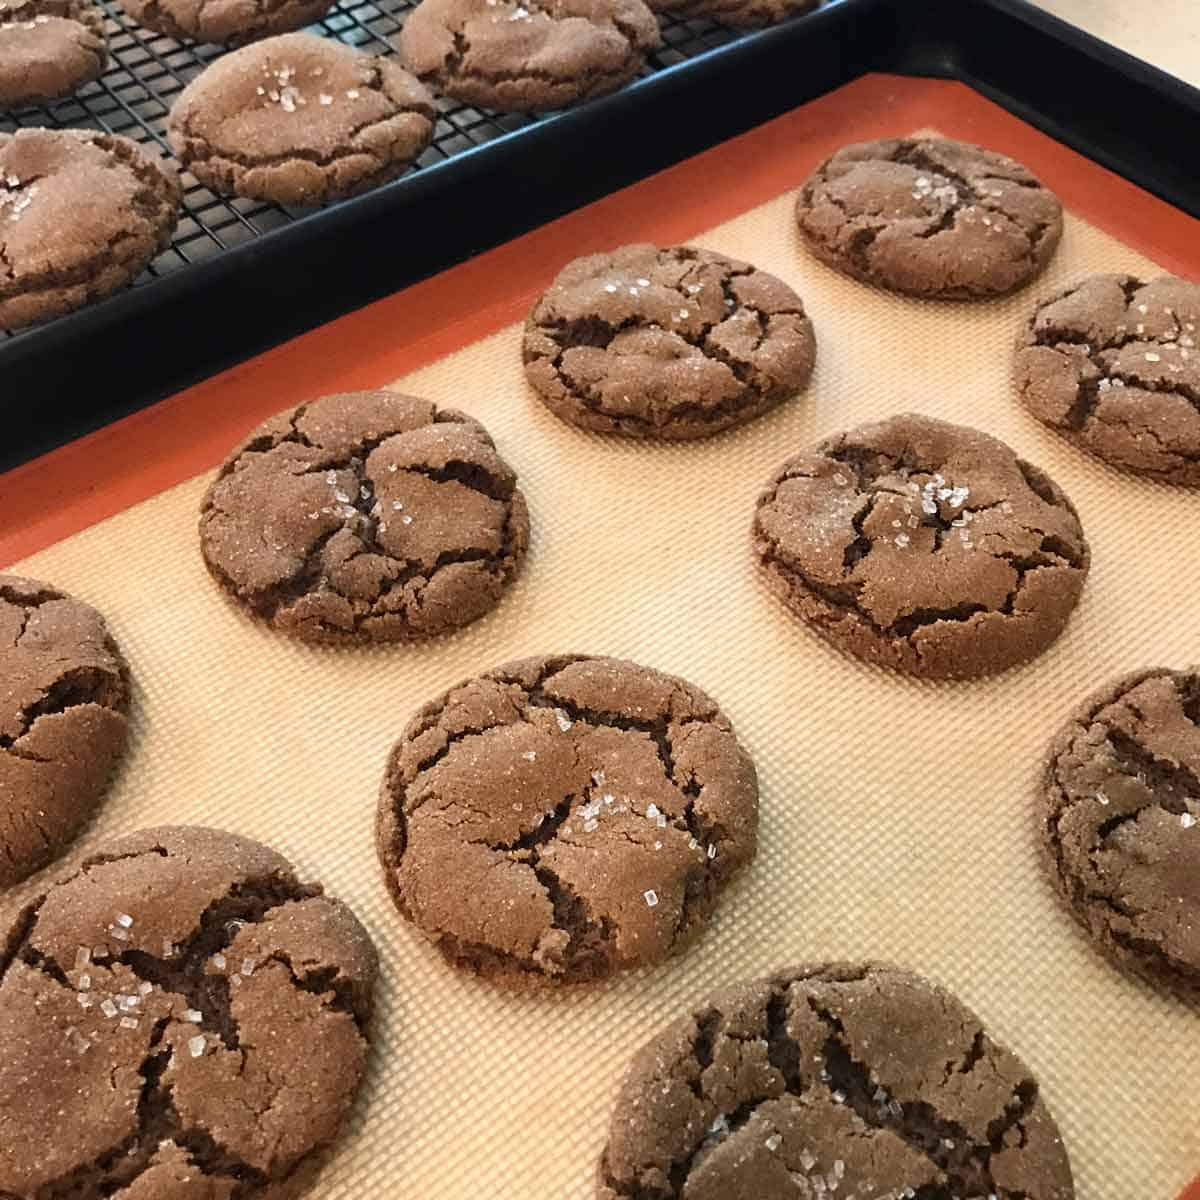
(146, 71)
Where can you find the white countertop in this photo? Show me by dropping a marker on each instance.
(1163, 32)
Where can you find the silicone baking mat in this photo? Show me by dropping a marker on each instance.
(896, 815)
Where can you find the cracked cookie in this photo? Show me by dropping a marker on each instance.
(64, 699)
(300, 119)
(81, 215)
(669, 343)
(833, 1080)
(48, 48)
(562, 818)
(1112, 363)
(924, 546)
(183, 1020)
(929, 217)
(1120, 821)
(365, 517)
(225, 22)
(737, 14)
(527, 55)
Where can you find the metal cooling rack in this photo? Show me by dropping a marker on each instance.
(147, 70)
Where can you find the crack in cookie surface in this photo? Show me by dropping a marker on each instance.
(929, 217)
(924, 546)
(170, 1039)
(1119, 816)
(389, 519)
(1113, 364)
(559, 819)
(675, 342)
(848, 1080)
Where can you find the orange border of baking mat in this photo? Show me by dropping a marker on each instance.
(83, 482)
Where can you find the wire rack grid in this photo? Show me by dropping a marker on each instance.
(147, 70)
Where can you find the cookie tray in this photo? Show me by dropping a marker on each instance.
(85, 370)
(895, 813)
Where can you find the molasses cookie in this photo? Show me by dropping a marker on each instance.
(527, 55)
(64, 698)
(226, 22)
(831, 1081)
(1120, 819)
(737, 14)
(181, 1018)
(365, 517)
(929, 217)
(48, 48)
(81, 214)
(1113, 364)
(559, 819)
(923, 546)
(300, 119)
(668, 343)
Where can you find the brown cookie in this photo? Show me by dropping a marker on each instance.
(527, 55)
(225, 22)
(365, 517)
(1112, 363)
(669, 343)
(81, 215)
(559, 819)
(300, 119)
(183, 1019)
(64, 700)
(737, 14)
(929, 217)
(924, 546)
(1120, 820)
(831, 1081)
(48, 48)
